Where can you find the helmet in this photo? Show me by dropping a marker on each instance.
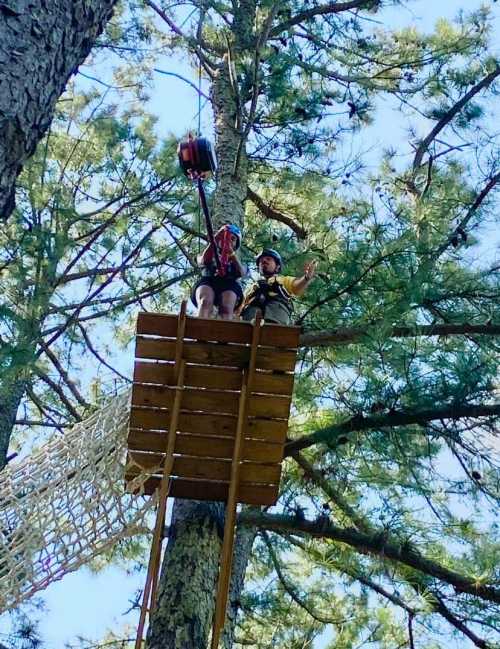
(234, 229)
(269, 252)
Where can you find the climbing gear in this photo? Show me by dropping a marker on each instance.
(196, 157)
(269, 252)
(197, 161)
(263, 291)
(234, 229)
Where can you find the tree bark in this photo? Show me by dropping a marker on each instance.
(230, 196)
(188, 582)
(41, 44)
(11, 395)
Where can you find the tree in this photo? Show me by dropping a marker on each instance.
(385, 532)
(90, 237)
(42, 46)
(287, 82)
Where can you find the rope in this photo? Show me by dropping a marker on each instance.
(65, 504)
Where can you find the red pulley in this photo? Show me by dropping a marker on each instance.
(196, 157)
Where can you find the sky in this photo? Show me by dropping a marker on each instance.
(90, 604)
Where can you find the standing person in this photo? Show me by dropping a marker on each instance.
(272, 294)
(220, 290)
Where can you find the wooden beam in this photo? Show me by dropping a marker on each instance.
(226, 559)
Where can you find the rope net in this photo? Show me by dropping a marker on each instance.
(66, 503)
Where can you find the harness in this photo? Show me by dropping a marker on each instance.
(264, 292)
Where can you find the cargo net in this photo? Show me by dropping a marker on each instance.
(66, 503)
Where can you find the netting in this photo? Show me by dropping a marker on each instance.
(66, 503)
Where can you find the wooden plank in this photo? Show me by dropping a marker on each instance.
(200, 376)
(282, 360)
(203, 468)
(224, 378)
(194, 490)
(260, 405)
(273, 383)
(227, 331)
(202, 446)
(209, 469)
(193, 399)
(157, 324)
(272, 430)
(272, 406)
(274, 335)
(165, 325)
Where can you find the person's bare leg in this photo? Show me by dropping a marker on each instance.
(205, 300)
(227, 304)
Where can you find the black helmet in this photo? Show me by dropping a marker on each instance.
(269, 252)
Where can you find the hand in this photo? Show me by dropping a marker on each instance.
(310, 269)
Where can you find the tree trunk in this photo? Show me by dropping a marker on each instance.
(230, 196)
(11, 394)
(41, 44)
(188, 582)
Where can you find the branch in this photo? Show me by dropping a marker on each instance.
(97, 355)
(330, 8)
(454, 110)
(345, 335)
(271, 213)
(371, 544)
(289, 588)
(334, 434)
(64, 375)
(365, 526)
(60, 393)
(492, 182)
(207, 64)
(190, 83)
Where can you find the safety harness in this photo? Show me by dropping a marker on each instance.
(263, 292)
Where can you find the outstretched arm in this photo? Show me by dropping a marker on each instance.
(301, 283)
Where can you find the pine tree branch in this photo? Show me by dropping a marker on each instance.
(290, 589)
(95, 353)
(491, 184)
(64, 375)
(195, 45)
(444, 611)
(271, 213)
(336, 433)
(450, 114)
(322, 10)
(59, 391)
(346, 335)
(373, 544)
(366, 527)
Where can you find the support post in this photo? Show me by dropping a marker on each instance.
(226, 559)
(150, 587)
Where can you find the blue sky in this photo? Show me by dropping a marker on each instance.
(90, 604)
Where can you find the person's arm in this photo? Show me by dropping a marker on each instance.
(301, 283)
(206, 256)
(238, 264)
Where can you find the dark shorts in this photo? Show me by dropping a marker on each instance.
(219, 285)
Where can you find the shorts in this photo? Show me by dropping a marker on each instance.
(273, 311)
(219, 285)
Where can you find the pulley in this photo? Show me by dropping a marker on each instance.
(196, 157)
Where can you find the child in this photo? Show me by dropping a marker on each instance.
(214, 288)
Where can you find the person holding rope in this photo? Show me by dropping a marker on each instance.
(221, 271)
(272, 294)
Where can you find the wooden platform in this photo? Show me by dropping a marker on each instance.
(216, 353)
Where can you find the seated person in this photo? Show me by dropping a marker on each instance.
(272, 294)
(214, 289)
